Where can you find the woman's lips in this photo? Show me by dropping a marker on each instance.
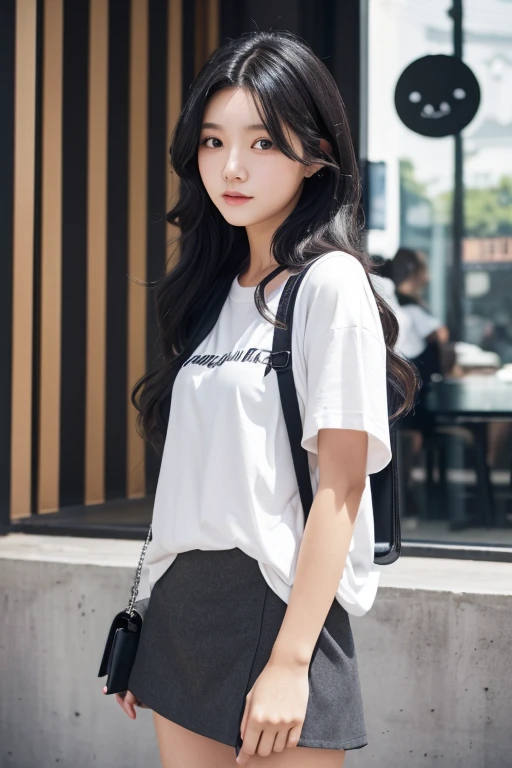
(234, 200)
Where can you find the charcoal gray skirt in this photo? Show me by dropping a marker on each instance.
(208, 633)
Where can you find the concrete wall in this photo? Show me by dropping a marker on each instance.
(435, 657)
(436, 673)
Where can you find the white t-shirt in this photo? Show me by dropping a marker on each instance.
(227, 477)
(412, 340)
(407, 333)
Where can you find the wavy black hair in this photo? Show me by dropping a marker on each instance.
(291, 87)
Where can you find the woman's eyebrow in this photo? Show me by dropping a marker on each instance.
(217, 127)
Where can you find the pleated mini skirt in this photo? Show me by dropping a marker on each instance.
(208, 633)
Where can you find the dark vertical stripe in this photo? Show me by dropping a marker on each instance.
(345, 51)
(117, 250)
(157, 187)
(233, 18)
(7, 37)
(189, 20)
(314, 26)
(36, 367)
(273, 14)
(74, 249)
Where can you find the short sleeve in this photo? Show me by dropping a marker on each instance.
(423, 321)
(344, 357)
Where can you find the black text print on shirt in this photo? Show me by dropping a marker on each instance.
(252, 355)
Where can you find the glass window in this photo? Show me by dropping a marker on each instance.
(455, 302)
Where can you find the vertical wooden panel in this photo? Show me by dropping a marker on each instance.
(7, 59)
(23, 253)
(137, 223)
(213, 29)
(117, 242)
(96, 255)
(74, 250)
(36, 311)
(157, 191)
(189, 25)
(174, 102)
(51, 259)
(200, 34)
(207, 27)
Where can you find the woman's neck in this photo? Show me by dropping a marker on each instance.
(408, 288)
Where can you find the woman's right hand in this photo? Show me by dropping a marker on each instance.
(128, 701)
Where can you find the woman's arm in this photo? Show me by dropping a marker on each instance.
(276, 705)
(342, 455)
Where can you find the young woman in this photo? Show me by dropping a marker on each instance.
(246, 642)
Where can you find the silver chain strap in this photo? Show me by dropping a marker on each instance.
(135, 587)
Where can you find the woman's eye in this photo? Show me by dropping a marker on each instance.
(211, 138)
(211, 142)
(266, 142)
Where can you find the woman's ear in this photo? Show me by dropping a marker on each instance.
(326, 149)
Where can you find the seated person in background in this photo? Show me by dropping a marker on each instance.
(422, 339)
(409, 272)
(423, 335)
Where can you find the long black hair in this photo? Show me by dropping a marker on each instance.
(291, 87)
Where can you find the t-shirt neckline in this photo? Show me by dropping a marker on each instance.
(245, 293)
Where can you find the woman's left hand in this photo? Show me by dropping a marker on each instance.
(275, 709)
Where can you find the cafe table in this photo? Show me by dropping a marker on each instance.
(473, 402)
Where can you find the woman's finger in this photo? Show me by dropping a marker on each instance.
(281, 739)
(243, 724)
(130, 701)
(294, 735)
(119, 697)
(250, 745)
(126, 701)
(266, 742)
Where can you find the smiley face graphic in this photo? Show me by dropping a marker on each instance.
(437, 96)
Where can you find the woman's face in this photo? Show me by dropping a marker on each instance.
(236, 154)
(423, 277)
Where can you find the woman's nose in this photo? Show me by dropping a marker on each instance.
(234, 169)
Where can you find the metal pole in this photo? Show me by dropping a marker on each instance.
(457, 286)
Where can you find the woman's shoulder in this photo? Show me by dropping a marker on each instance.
(336, 277)
(333, 269)
(336, 291)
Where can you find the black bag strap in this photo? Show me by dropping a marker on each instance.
(384, 484)
(281, 362)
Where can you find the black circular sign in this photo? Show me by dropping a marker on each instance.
(437, 96)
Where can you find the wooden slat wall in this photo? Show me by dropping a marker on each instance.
(51, 258)
(7, 91)
(103, 124)
(137, 222)
(96, 254)
(23, 257)
(207, 30)
(174, 101)
(73, 351)
(117, 247)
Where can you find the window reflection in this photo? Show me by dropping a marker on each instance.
(456, 450)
